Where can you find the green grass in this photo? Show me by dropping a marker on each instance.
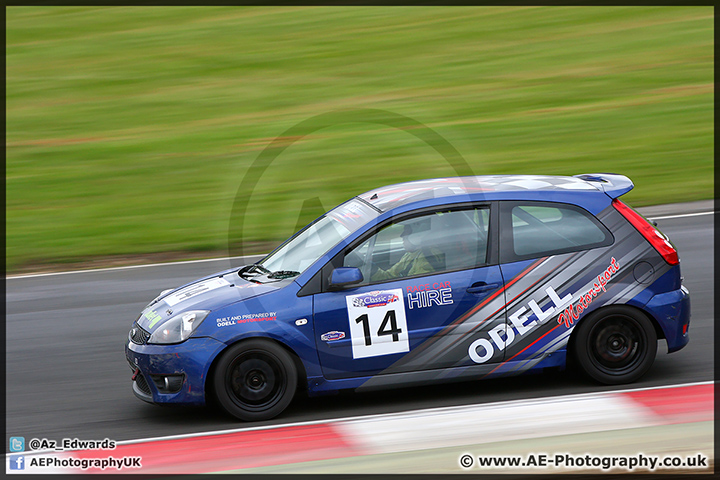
(129, 130)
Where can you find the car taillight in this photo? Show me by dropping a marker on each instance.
(651, 234)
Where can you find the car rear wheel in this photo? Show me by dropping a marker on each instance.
(255, 380)
(616, 345)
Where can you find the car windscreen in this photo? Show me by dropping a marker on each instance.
(316, 239)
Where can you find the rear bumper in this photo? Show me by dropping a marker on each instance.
(672, 312)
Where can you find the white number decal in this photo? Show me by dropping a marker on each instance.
(377, 323)
(195, 289)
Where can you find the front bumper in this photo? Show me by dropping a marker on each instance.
(672, 311)
(172, 373)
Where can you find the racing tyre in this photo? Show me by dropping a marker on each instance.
(255, 380)
(615, 345)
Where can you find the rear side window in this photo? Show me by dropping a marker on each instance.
(537, 229)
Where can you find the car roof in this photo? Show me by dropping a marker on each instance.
(487, 186)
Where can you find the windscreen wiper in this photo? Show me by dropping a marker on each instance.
(250, 268)
(280, 274)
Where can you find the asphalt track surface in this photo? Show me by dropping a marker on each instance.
(67, 376)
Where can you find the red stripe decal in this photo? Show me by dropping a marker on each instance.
(498, 292)
(521, 351)
(473, 310)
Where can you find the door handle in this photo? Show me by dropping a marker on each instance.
(481, 287)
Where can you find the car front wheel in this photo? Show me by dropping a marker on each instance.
(255, 380)
(616, 345)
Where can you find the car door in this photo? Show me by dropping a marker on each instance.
(431, 285)
(549, 251)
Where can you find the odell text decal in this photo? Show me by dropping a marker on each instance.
(568, 308)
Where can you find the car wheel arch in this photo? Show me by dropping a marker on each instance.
(599, 311)
(299, 365)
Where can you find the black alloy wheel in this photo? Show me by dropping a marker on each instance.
(255, 380)
(616, 345)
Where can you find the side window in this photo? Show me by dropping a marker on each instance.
(441, 241)
(548, 229)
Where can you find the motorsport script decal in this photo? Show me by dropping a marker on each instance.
(573, 312)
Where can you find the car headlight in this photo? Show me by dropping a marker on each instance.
(178, 328)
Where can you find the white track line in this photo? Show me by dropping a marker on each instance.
(128, 267)
(185, 262)
(681, 215)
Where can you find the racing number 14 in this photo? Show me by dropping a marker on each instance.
(389, 317)
(378, 325)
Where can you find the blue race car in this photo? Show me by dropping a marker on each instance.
(421, 282)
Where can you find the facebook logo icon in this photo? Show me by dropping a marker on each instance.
(17, 462)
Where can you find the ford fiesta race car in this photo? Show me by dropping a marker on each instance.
(421, 282)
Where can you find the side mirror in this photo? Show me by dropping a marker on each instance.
(345, 276)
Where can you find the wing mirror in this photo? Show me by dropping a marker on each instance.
(345, 276)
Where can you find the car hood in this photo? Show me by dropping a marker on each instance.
(208, 293)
